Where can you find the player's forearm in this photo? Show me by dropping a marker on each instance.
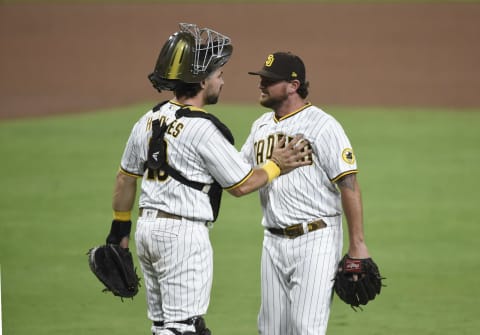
(353, 211)
(258, 178)
(284, 159)
(122, 204)
(124, 193)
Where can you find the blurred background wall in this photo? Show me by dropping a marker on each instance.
(60, 58)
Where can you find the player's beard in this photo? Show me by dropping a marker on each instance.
(273, 102)
(212, 99)
(212, 95)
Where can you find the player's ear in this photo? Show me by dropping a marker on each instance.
(293, 86)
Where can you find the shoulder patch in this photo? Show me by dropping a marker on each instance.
(348, 156)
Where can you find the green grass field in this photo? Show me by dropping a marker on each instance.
(420, 188)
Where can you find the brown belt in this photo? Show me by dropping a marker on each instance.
(297, 229)
(160, 214)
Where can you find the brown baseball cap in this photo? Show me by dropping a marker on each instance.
(282, 66)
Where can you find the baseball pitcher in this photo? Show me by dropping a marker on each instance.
(302, 211)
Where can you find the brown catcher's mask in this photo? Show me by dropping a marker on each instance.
(190, 55)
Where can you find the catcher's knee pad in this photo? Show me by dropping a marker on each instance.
(164, 331)
(200, 327)
(192, 326)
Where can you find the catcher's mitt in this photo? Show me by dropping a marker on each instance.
(357, 281)
(113, 266)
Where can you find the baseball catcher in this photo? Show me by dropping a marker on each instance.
(357, 281)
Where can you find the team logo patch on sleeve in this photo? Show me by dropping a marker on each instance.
(348, 156)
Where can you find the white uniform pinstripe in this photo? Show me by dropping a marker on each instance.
(176, 255)
(297, 273)
(197, 149)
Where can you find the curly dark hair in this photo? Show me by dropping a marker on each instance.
(303, 89)
(187, 90)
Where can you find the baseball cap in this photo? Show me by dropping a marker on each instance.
(282, 66)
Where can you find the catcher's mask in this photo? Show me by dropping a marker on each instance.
(190, 55)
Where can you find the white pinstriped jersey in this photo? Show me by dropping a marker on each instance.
(197, 149)
(307, 193)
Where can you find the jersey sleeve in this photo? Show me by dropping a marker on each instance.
(135, 152)
(223, 161)
(335, 152)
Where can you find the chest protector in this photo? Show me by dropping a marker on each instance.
(157, 163)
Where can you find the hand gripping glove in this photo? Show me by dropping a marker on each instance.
(357, 281)
(113, 266)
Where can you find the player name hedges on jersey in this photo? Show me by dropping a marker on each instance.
(174, 127)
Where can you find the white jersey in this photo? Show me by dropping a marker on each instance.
(307, 193)
(197, 149)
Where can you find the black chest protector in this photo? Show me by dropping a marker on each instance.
(157, 162)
